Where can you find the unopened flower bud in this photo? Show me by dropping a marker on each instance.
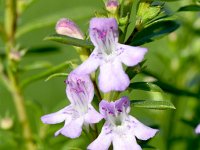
(15, 56)
(67, 27)
(6, 123)
(112, 6)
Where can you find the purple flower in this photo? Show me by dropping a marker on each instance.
(120, 128)
(109, 55)
(80, 92)
(67, 27)
(197, 130)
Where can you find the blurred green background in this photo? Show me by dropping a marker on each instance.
(174, 59)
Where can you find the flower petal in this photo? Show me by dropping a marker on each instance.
(106, 107)
(197, 130)
(72, 129)
(125, 142)
(99, 27)
(122, 103)
(56, 117)
(103, 141)
(142, 131)
(131, 55)
(90, 65)
(79, 87)
(92, 116)
(113, 77)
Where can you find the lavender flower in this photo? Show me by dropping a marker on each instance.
(109, 55)
(80, 92)
(67, 27)
(120, 128)
(197, 130)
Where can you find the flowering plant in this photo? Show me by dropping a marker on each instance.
(122, 69)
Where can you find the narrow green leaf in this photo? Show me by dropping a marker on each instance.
(165, 86)
(36, 65)
(151, 104)
(70, 41)
(43, 49)
(132, 19)
(189, 8)
(146, 86)
(56, 75)
(45, 73)
(154, 31)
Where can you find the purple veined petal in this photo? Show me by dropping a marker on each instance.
(122, 103)
(103, 141)
(197, 130)
(125, 142)
(79, 86)
(92, 116)
(56, 117)
(72, 129)
(90, 65)
(99, 27)
(112, 77)
(106, 107)
(131, 55)
(142, 131)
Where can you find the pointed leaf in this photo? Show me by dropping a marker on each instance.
(36, 65)
(154, 31)
(45, 73)
(146, 86)
(190, 8)
(151, 104)
(56, 75)
(43, 49)
(70, 41)
(132, 19)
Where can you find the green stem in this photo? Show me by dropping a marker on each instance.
(98, 94)
(10, 20)
(10, 28)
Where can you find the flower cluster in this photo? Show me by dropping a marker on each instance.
(120, 128)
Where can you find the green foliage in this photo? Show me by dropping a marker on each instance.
(69, 41)
(190, 8)
(56, 75)
(46, 73)
(151, 104)
(154, 31)
(132, 20)
(145, 86)
(168, 80)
